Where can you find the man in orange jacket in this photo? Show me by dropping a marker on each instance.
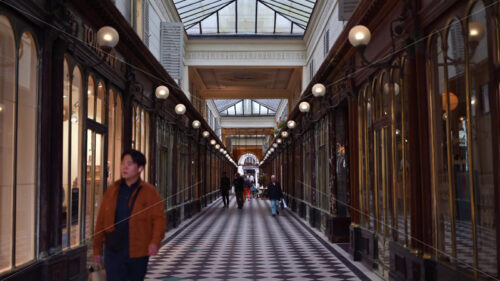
(131, 222)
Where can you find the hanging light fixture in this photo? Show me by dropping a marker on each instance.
(304, 106)
(318, 90)
(212, 142)
(291, 124)
(162, 92)
(205, 134)
(284, 134)
(196, 124)
(217, 146)
(278, 140)
(107, 37)
(180, 109)
(275, 145)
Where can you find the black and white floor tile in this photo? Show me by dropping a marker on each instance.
(248, 244)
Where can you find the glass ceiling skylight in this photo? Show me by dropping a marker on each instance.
(245, 17)
(247, 107)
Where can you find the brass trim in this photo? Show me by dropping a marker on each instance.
(430, 96)
(451, 182)
(469, 145)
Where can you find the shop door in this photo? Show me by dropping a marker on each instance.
(95, 182)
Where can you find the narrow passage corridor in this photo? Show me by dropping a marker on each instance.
(249, 244)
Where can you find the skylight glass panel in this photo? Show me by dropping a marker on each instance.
(231, 111)
(194, 30)
(239, 108)
(263, 110)
(255, 108)
(246, 16)
(265, 19)
(227, 19)
(209, 25)
(283, 25)
(256, 17)
(247, 107)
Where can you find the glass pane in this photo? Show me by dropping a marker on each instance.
(265, 19)
(481, 140)
(65, 168)
(227, 20)
(7, 88)
(246, 16)
(111, 139)
(231, 111)
(457, 115)
(439, 149)
(75, 139)
(247, 104)
(26, 152)
(255, 108)
(239, 108)
(118, 138)
(90, 98)
(194, 30)
(343, 193)
(101, 103)
(283, 25)
(209, 25)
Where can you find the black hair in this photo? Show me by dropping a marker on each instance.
(136, 155)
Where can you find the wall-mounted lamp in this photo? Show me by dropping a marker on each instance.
(304, 106)
(196, 124)
(278, 140)
(291, 124)
(217, 146)
(205, 134)
(275, 145)
(318, 90)
(284, 134)
(212, 142)
(180, 109)
(162, 92)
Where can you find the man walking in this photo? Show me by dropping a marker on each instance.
(238, 189)
(224, 189)
(275, 195)
(131, 222)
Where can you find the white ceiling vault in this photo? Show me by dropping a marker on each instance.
(245, 17)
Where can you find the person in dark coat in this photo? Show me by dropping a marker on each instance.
(238, 189)
(275, 195)
(225, 185)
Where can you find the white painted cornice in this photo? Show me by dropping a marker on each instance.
(245, 52)
(248, 122)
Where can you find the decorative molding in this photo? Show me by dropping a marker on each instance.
(245, 57)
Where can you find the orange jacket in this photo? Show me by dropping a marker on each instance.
(147, 224)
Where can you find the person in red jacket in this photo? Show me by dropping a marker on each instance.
(131, 222)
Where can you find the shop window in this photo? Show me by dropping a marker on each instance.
(462, 146)
(140, 135)
(91, 98)
(114, 137)
(100, 103)
(18, 125)
(341, 163)
(482, 168)
(72, 144)
(323, 192)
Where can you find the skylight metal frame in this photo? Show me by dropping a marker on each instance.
(296, 12)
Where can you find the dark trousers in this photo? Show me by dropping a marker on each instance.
(239, 199)
(121, 267)
(225, 197)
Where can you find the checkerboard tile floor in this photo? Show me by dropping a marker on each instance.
(248, 244)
